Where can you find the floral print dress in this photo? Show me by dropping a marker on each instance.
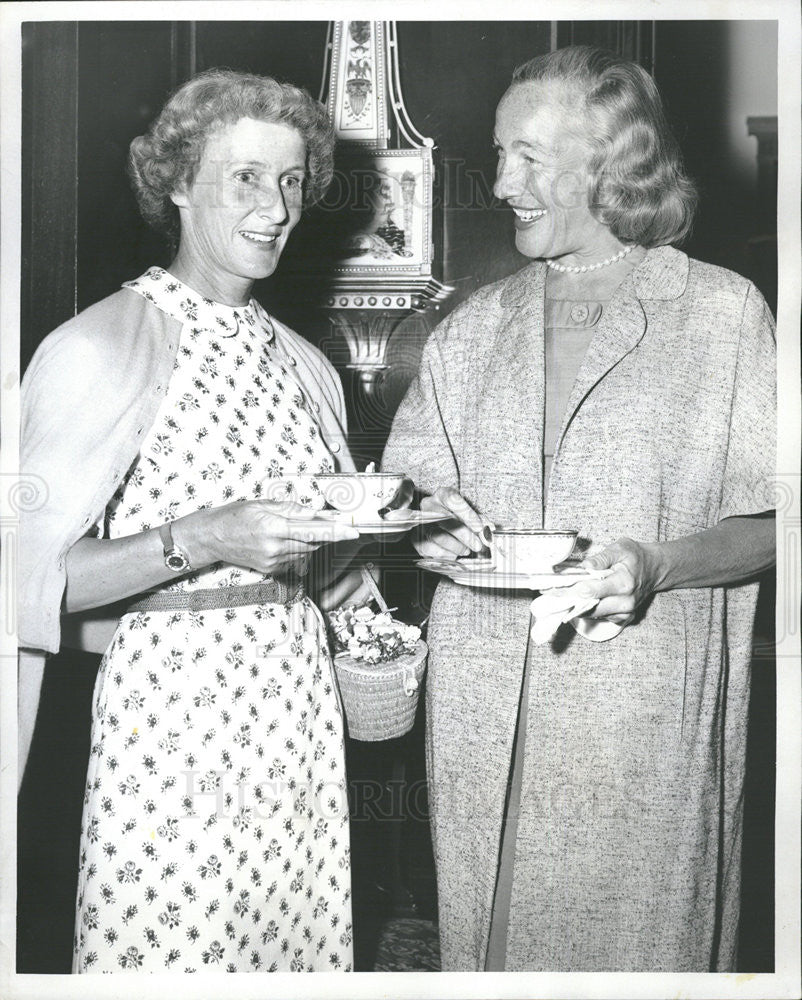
(215, 823)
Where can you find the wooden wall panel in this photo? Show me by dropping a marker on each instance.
(288, 50)
(452, 79)
(49, 179)
(126, 72)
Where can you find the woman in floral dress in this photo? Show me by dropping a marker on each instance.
(215, 826)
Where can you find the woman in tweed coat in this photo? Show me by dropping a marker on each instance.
(587, 796)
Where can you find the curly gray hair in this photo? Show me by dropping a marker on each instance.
(168, 155)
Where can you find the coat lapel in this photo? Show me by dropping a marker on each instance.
(620, 329)
(502, 452)
(662, 274)
(504, 445)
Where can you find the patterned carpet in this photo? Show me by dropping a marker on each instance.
(408, 944)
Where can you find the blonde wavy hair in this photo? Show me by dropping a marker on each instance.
(639, 188)
(167, 157)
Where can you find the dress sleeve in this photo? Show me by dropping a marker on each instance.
(426, 425)
(749, 485)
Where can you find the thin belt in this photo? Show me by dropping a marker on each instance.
(269, 592)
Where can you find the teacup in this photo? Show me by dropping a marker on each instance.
(360, 494)
(530, 550)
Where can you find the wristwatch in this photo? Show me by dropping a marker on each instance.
(175, 558)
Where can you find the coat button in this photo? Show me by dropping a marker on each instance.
(335, 447)
(316, 406)
(292, 360)
(579, 312)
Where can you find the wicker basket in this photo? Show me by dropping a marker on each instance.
(380, 699)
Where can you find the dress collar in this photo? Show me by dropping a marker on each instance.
(183, 303)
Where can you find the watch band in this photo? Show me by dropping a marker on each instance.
(175, 558)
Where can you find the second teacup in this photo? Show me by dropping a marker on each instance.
(530, 550)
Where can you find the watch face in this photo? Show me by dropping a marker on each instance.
(176, 561)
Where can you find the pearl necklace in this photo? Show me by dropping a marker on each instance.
(589, 267)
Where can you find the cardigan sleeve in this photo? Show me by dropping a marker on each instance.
(749, 485)
(59, 453)
(90, 393)
(319, 380)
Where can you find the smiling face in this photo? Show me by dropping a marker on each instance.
(240, 209)
(542, 174)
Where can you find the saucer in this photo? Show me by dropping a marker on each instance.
(480, 573)
(518, 581)
(384, 526)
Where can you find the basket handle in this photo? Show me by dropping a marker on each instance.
(367, 577)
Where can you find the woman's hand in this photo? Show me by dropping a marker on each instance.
(463, 533)
(732, 551)
(254, 534)
(262, 535)
(633, 579)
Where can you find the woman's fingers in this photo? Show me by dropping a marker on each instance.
(616, 593)
(448, 540)
(635, 572)
(293, 521)
(266, 534)
(441, 545)
(399, 514)
(288, 509)
(620, 619)
(467, 532)
(613, 608)
(318, 532)
(465, 536)
(452, 500)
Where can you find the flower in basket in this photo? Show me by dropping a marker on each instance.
(371, 636)
(378, 665)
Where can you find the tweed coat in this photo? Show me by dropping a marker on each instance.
(629, 835)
